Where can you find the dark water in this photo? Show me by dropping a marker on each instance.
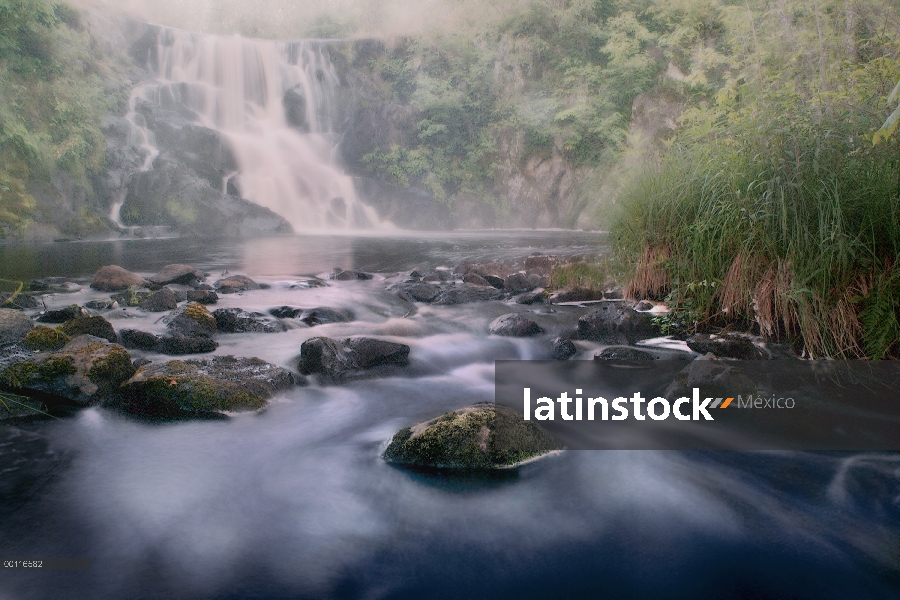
(295, 502)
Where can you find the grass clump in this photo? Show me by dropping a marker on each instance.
(581, 274)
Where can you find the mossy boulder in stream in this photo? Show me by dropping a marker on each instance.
(46, 338)
(87, 370)
(481, 436)
(181, 389)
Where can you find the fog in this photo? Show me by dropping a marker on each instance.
(288, 19)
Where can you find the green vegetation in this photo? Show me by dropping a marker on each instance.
(55, 85)
(46, 338)
(774, 208)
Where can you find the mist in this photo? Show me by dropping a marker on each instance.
(284, 19)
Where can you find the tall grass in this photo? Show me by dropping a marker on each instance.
(794, 230)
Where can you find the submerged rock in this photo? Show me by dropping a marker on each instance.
(725, 346)
(101, 304)
(96, 326)
(614, 323)
(625, 353)
(481, 436)
(178, 274)
(113, 278)
(236, 283)
(563, 349)
(194, 320)
(14, 326)
(238, 320)
(341, 275)
(514, 325)
(469, 293)
(189, 388)
(62, 315)
(161, 301)
(87, 370)
(337, 359)
(323, 315)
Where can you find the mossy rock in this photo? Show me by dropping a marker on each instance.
(194, 320)
(95, 326)
(181, 389)
(46, 338)
(481, 436)
(88, 370)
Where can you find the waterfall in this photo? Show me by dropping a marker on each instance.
(274, 104)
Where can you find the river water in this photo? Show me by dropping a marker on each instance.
(295, 501)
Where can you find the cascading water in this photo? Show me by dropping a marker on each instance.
(273, 103)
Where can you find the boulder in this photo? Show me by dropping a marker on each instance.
(323, 315)
(19, 301)
(437, 277)
(530, 298)
(615, 323)
(14, 326)
(341, 275)
(96, 326)
(337, 359)
(178, 274)
(191, 388)
(88, 370)
(563, 349)
(236, 283)
(514, 325)
(138, 340)
(728, 345)
(113, 278)
(624, 353)
(202, 296)
(194, 320)
(577, 294)
(421, 292)
(714, 377)
(238, 320)
(475, 279)
(177, 345)
(161, 301)
(44, 338)
(481, 436)
(516, 283)
(469, 293)
(62, 315)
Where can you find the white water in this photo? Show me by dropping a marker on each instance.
(237, 86)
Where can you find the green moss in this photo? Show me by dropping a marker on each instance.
(199, 313)
(46, 338)
(197, 394)
(22, 374)
(112, 369)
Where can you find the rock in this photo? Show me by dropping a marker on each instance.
(715, 378)
(541, 265)
(178, 274)
(113, 278)
(202, 296)
(578, 294)
(476, 279)
(236, 283)
(516, 283)
(46, 338)
(238, 320)
(138, 340)
(514, 325)
(614, 323)
(337, 359)
(14, 326)
(623, 353)
(481, 436)
(467, 294)
(422, 292)
(101, 304)
(437, 277)
(194, 320)
(130, 298)
(285, 312)
(725, 346)
(323, 315)
(340, 275)
(190, 388)
(160, 301)
(177, 345)
(19, 301)
(563, 349)
(644, 305)
(530, 298)
(62, 315)
(614, 294)
(88, 370)
(96, 326)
